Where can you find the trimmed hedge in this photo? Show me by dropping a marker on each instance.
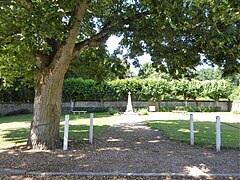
(147, 89)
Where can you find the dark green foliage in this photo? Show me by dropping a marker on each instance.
(78, 89)
(173, 33)
(166, 109)
(99, 65)
(17, 93)
(112, 111)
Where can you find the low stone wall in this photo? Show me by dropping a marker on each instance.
(236, 107)
(224, 105)
(6, 108)
(66, 106)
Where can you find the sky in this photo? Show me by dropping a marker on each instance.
(112, 44)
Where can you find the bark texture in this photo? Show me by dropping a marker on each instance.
(44, 133)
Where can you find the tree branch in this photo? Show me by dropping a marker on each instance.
(67, 46)
(95, 40)
(104, 34)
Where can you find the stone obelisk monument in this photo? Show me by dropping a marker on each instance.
(129, 104)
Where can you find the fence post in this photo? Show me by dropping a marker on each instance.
(191, 130)
(91, 129)
(66, 127)
(218, 133)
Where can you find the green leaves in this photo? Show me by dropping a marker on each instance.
(98, 64)
(216, 89)
(235, 96)
(79, 89)
(174, 33)
(147, 89)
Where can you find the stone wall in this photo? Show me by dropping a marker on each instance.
(224, 105)
(236, 107)
(6, 108)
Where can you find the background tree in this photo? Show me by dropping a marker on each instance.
(148, 71)
(216, 89)
(123, 86)
(98, 64)
(155, 90)
(187, 89)
(208, 74)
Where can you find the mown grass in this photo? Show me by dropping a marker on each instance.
(14, 130)
(204, 132)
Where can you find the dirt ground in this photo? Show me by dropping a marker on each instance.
(129, 146)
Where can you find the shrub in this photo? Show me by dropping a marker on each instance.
(143, 111)
(166, 109)
(112, 111)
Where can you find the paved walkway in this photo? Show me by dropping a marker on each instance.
(128, 148)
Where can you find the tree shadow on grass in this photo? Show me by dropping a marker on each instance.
(81, 131)
(15, 137)
(76, 132)
(204, 132)
(16, 118)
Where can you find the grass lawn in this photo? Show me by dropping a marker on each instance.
(14, 130)
(204, 132)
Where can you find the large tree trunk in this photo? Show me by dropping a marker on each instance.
(44, 133)
(47, 110)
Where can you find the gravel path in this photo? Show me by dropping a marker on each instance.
(129, 146)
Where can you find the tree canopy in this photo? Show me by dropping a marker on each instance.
(174, 33)
(98, 64)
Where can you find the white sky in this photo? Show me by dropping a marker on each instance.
(112, 44)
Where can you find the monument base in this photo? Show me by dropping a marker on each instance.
(130, 113)
(129, 108)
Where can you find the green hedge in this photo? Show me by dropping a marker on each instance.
(147, 89)
(78, 89)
